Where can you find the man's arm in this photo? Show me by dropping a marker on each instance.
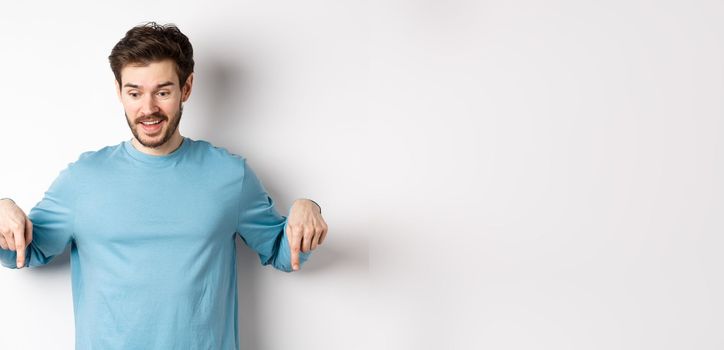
(48, 227)
(261, 227)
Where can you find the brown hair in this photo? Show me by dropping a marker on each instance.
(151, 42)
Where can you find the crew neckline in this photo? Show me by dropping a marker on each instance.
(155, 159)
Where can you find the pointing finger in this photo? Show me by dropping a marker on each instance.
(294, 243)
(20, 246)
(28, 238)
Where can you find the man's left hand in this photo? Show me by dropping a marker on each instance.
(305, 228)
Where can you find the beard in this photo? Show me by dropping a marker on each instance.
(170, 129)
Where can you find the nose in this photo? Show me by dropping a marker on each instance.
(149, 106)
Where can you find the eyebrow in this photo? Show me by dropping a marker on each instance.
(164, 84)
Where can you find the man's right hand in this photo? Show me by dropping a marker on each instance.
(16, 230)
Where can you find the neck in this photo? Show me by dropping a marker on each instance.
(171, 145)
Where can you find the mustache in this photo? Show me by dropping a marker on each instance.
(152, 116)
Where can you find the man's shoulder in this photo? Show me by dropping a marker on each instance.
(217, 154)
(88, 161)
(101, 154)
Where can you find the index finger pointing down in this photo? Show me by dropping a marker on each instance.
(20, 247)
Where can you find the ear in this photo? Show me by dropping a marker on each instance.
(186, 90)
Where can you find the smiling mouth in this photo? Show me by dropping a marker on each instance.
(151, 121)
(151, 126)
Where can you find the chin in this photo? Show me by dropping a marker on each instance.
(152, 141)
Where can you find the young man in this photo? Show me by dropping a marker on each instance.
(151, 221)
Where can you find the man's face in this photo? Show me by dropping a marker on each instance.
(152, 94)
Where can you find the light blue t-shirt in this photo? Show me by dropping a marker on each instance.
(153, 258)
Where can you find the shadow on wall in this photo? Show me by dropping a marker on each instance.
(221, 87)
(344, 251)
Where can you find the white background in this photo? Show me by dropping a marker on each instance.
(495, 174)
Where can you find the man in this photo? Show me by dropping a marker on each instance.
(152, 221)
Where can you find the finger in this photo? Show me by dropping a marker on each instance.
(3, 243)
(10, 241)
(315, 239)
(324, 235)
(294, 242)
(20, 246)
(308, 236)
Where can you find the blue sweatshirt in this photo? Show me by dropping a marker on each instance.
(153, 258)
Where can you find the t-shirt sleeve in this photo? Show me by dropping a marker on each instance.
(261, 227)
(52, 220)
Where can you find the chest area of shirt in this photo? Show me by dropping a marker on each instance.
(160, 213)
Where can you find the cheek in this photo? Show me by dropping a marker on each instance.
(169, 108)
(131, 107)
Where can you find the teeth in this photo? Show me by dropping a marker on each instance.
(151, 123)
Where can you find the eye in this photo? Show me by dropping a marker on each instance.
(133, 94)
(163, 93)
